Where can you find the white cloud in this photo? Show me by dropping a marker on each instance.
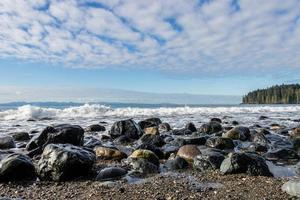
(169, 35)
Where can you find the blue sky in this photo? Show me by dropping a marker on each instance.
(164, 46)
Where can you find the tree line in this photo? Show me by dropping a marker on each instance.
(278, 94)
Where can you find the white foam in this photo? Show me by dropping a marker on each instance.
(96, 110)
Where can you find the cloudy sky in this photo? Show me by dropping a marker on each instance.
(224, 47)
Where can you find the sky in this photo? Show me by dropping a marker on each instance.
(49, 48)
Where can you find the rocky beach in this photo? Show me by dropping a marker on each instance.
(181, 153)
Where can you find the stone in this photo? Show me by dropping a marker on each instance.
(155, 140)
(220, 143)
(95, 128)
(188, 152)
(292, 187)
(111, 173)
(58, 134)
(181, 132)
(150, 122)
(283, 154)
(91, 142)
(7, 142)
(191, 126)
(295, 133)
(260, 138)
(211, 127)
(144, 167)
(127, 127)
(176, 163)
(251, 164)
(151, 130)
(20, 136)
(235, 123)
(107, 153)
(153, 148)
(164, 127)
(197, 140)
(209, 161)
(62, 162)
(215, 119)
(238, 133)
(263, 117)
(145, 154)
(17, 167)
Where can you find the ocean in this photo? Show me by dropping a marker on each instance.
(28, 116)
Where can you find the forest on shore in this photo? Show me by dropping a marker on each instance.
(278, 94)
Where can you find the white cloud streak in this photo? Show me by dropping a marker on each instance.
(183, 36)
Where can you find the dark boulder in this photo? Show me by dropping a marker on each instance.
(215, 119)
(197, 140)
(91, 142)
(182, 132)
(220, 143)
(153, 148)
(111, 173)
(238, 133)
(283, 154)
(176, 163)
(251, 164)
(17, 167)
(191, 126)
(209, 161)
(164, 127)
(61, 162)
(150, 122)
(260, 138)
(95, 128)
(211, 127)
(143, 166)
(7, 142)
(58, 134)
(128, 128)
(20, 136)
(155, 140)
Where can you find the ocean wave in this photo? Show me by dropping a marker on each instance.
(96, 110)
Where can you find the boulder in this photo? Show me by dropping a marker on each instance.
(188, 152)
(128, 128)
(220, 143)
(155, 140)
(95, 128)
(181, 132)
(91, 142)
(58, 134)
(17, 167)
(295, 133)
(251, 164)
(164, 127)
(260, 138)
(210, 161)
(111, 173)
(197, 140)
(7, 142)
(61, 162)
(215, 119)
(176, 163)
(20, 136)
(107, 153)
(144, 167)
(238, 133)
(150, 122)
(146, 155)
(283, 154)
(153, 148)
(292, 187)
(191, 126)
(211, 127)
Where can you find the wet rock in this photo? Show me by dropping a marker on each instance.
(251, 164)
(238, 133)
(146, 155)
(295, 133)
(17, 167)
(209, 161)
(91, 142)
(264, 131)
(283, 154)
(59, 134)
(259, 148)
(292, 187)
(164, 127)
(111, 173)
(169, 149)
(156, 140)
(188, 152)
(144, 167)
(7, 142)
(296, 143)
(123, 139)
(126, 127)
(215, 119)
(160, 154)
(211, 127)
(108, 153)
(150, 122)
(181, 132)
(220, 143)
(260, 138)
(151, 130)
(95, 128)
(191, 126)
(235, 123)
(263, 117)
(61, 162)
(177, 163)
(20, 136)
(197, 140)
